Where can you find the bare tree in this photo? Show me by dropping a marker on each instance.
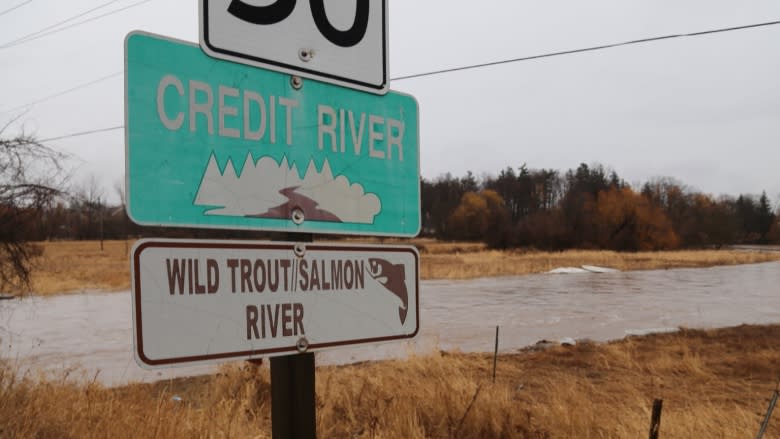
(88, 200)
(31, 176)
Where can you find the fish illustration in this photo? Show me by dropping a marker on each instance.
(393, 278)
(297, 201)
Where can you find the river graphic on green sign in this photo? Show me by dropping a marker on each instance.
(216, 144)
(319, 195)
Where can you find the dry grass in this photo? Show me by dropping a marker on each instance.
(714, 384)
(486, 263)
(75, 266)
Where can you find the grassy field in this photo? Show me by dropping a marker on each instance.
(75, 266)
(714, 384)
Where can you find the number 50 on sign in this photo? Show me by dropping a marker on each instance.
(341, 42)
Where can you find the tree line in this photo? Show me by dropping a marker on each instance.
(586, 207)
(590, 207)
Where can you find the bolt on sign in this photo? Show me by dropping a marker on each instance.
(214, 144)
(210, 301)
(343, 42)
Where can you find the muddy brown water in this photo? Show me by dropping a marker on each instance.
(89, 336)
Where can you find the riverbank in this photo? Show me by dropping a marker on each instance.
(713, 383)
(78, 266)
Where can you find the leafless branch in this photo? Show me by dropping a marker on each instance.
(31, 176)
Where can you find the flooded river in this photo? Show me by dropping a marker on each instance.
(91, 333)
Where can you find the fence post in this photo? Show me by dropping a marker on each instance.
(495, 356)
(655, 420)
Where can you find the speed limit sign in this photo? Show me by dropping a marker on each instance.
(342, 42)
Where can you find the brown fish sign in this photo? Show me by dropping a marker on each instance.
(297, 201)
(393, 278)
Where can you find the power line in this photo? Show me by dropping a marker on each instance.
(80, 23)
(82, 133)
(13, 8)
(20, 39)
(50, 30)
(589, 49)
(70, 90)
(506, 61)
(473, 66)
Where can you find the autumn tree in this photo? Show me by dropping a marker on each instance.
(440, 197)
(698, 219)
(628, 221)
(508, 185)
(31, 176)
(583, 186)
(477, 214)
(670, 195)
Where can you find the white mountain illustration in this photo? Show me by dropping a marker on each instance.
(269, 189)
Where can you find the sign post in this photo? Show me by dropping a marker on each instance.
(293, 395)
(209, 301)
(212, 143)
(293, 400)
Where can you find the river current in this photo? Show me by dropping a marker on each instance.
(90, 335)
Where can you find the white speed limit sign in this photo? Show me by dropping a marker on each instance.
(342, 42)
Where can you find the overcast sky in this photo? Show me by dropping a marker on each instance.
(705, 110)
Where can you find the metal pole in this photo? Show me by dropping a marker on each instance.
(293, 409)
(655, 420)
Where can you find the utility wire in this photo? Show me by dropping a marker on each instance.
(13, 8)
(52, 29)
(507, 61)
(589, 49)
(70, 90)
(67, 20)
(474, 66)
(79, 23)
(82, 133)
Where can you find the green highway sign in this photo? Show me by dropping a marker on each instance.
(214, 144)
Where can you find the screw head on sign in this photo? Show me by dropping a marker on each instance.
(297, 216)
(299, 250)
(296, 82)
(305, 55)
(302, 345)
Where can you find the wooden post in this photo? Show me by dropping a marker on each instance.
(655, 420)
